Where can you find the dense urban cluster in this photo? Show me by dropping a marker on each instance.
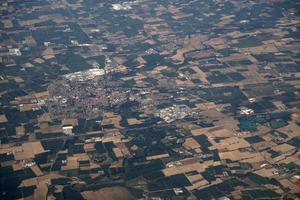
(149, 99)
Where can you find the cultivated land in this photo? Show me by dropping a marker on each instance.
(149, 99)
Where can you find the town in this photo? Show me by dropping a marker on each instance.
(148, 99)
